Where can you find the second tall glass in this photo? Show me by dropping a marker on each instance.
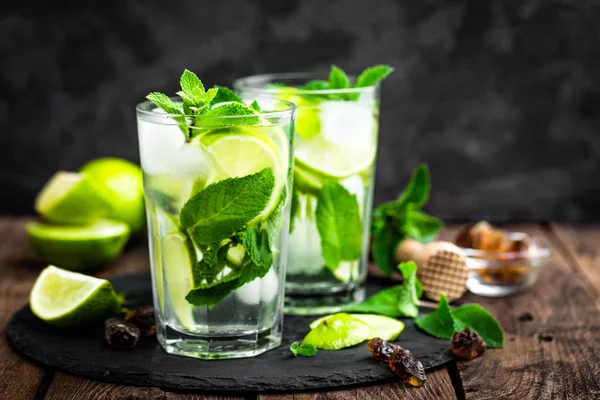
(335, 149)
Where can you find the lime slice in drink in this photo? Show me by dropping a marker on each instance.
(332, 160)
(338, 331)
(178, 275)
(384, 327)
(242, 151)
(68, 299)
(79, 248)
(306, 181)
(69, 198)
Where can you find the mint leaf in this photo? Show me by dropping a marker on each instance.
(407, 269)
(227, 110)
(384, 302)
(338, 223)
(373, 75)
(257, 247)
(384, 249)
(166, 104)
(191, 84)
(295, 209)
(214, 294)
(208, 271)
(481, 321)
(439, 323)
(255, 106)
(407, 293)
(421, 227)
(316, 85)
(338, 78)
(225, 95)
(221, 209)
(304, 350)
(416, 192)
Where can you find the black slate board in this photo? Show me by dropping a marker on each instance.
(147, 365)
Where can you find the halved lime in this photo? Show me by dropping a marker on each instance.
(384, 327)
(178, 276)
(69, 198)
(79, 248)
(120, 183)
(68, 299)
(333, 160)
(338, 331)
(241, 151)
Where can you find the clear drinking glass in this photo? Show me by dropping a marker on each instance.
(335, 146)
(221, 299)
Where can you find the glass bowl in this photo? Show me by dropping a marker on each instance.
(496, 274)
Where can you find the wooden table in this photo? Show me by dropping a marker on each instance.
(554, 355)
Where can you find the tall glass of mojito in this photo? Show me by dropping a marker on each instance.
(335, 149)
(217, 183)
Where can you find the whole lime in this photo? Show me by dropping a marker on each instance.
(120, 183)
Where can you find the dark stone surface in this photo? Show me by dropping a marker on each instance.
(501, 98)
(277, 370)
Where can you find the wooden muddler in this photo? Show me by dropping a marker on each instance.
(441, 267)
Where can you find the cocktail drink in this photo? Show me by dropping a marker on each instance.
(218, 195)
(335, 148)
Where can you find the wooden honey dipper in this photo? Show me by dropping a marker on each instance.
(441, 267)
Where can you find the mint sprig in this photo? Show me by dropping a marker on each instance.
(397, 301)
(304, 350)
(199, 103)
(394, 221)
(339, 225)
(338, 79)
(444, 322)
(223, 208)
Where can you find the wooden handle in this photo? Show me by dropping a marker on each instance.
(409, 250)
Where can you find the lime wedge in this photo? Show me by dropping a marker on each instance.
(178, 276)
(69, 198)
(332, 160)
(79, 248)
(306, 181)
(68, 299)
(384, 327)
(242, 151)
(338, 331)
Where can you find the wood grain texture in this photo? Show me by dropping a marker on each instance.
(19, 379)
(438, 387)
(581, 246)
(553, 355)
(67, 387)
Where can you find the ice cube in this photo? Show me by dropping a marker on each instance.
(348, 122)
(164, 151)
(250, 292)
(304, 250)
(269, 286)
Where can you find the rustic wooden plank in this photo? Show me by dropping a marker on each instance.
(67, 387)
(438, 387)
(580, 246)
(19, 379)
(552, 340)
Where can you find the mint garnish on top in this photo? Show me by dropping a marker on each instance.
(198, 105)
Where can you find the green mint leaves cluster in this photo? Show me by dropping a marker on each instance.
(199, 106)
(304, 350)
(444, 322)
(394, 221)
(396, 301)
(338, 79)
(236, 249)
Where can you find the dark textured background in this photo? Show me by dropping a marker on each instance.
(501, 98)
